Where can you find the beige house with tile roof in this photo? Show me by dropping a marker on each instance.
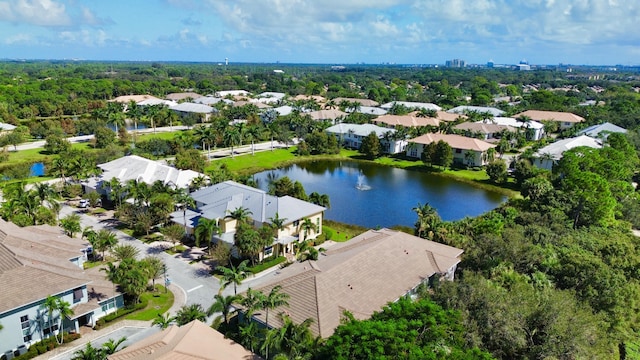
(360, 276)
(326, 114)
(461, 146)
(447, 116)
(37, 262)
(566, 119)
(362, 102)
(193, 341)
(488, 131)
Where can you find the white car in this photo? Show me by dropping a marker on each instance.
(84, 203)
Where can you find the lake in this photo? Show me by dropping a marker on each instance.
(373, 196)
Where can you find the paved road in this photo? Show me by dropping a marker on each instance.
(84, 138)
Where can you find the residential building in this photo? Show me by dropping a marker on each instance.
(183, 96)
(125, 99)
(532, 129)
(547, 156)
(359, 276)
(37, 262)
(193, 341)
(154, 101)
(369, 110)
(455, 63)
(189, 108)
(134, 167)
(211, 100)
(412, 105)
(466, 150)
(565, 119)
(226, 93)
(602, 131)
(488, 131)
(219, 200)
(450, 117)
(407, 121)
(284, 110)
(362, 102)
(463, 109)
(4, 127)
(333, 115)
(351, 135)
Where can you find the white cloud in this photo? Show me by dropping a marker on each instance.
(35, 12)
(18, 39)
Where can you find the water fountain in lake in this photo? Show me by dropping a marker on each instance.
(361, 184)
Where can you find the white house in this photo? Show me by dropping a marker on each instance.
(466, 150)
(351, 135)
(134, 167)
(547, 156)
(533, 129)
(479, 109)
(37, 262)
(602, 131)
(186, 108)
(219, 200)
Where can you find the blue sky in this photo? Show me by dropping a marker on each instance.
(324, 31)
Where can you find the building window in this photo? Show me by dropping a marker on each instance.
(296, 223)
(318, 223)
(77, 295)
(25, 324)
(268, 251)
(458, 151)
(108, 305)
(414, 152)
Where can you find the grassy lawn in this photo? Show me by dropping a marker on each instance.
(179, 249)
(341, 232)
(158, 302)
(158, 135)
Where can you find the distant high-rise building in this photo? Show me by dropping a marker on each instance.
(490, 63)
(456, 63)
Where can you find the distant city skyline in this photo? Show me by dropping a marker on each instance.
(595, 32)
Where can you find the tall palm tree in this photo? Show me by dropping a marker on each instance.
(88, 353)
(105, 240)
(273, 300)
(64, 310)
(116, 191)
(252, 133)
(135, 113)
(251, 301)
(185, 201)
(46, 193)
(223, 304)
(205, 230)
(233, 275)
(307, 227)
(140, 192)
(428, 219)
(50, 305)
(249, 335)
(240, 214)
(277, 223)
(232, 136)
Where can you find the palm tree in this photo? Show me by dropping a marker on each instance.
(140, 192)
(46, 193)
(320, 199)
(223, 304)
(111, 346)
(249, 335)
(163, 321)
(188, 313)
(64, 310)
(105, 240)
(185, 201)
(252, 133)
(251, 302)
(154, 267)
(71, 224)
(307, 227)
(50, 304)
(232, 137)
(205, 230)
(273, 300)
(240, 214)
(292, 339)
(233, 275)
(277, 223)
(183, 139)
(89, 353)
(135, 113)
(124, 251)
(116, 191)
(428, 219)
(174, 232)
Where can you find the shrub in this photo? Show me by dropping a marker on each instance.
(267, 264)
(120, 313)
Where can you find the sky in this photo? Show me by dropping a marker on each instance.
(594, 32)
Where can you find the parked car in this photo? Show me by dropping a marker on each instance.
(84, 203)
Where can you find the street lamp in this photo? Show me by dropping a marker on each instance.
(167, 281)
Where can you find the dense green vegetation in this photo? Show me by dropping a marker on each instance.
(553, 274)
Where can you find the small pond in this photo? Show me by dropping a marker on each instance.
(373, 196)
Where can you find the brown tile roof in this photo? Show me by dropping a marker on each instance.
(540, 115)
(34, 263)
(319, 99)
(193, 341)
(406, 120)
(455, 141)
(445, 116)
(360, 276)
(326, 114)
(259, 105)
